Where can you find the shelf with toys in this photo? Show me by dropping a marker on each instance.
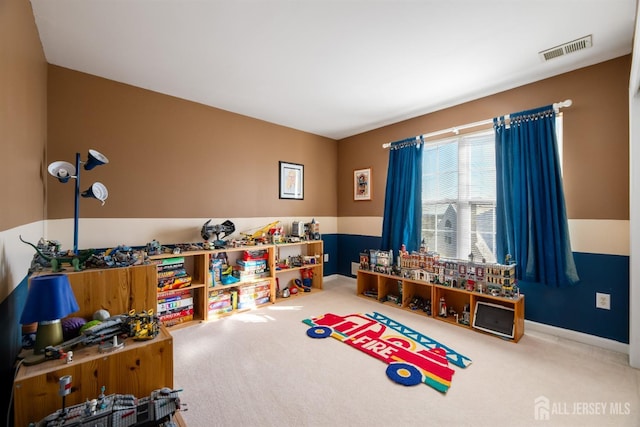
(299, 268)
(200, 282)
(480, 296)
(203, 285)
(181, 286)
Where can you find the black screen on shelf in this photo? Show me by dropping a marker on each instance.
(494, 318)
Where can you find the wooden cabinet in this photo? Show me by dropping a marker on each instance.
(209, 296)
(293, 258)
(138, 368)
(117, 290)
(402, 293)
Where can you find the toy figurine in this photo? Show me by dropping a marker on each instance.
(154, 247)
(443, 308)
(307, 276)
(427, 307)
(465, 315)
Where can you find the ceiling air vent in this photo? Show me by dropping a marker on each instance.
(565, 49)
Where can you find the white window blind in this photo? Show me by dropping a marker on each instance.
(459, 196)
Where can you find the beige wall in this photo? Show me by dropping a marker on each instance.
(23, 136)
(171, 158)
(23, 115)
(201, 161)
(596, 140)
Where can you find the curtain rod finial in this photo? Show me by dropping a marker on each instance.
(563, 104)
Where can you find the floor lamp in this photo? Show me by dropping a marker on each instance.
(65, 171)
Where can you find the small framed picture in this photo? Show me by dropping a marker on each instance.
(362, 184)
(291, 181)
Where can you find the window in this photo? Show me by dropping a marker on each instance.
(459, 196)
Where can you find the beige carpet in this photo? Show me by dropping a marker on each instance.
(259, 368)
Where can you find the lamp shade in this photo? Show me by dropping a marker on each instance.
(50, 297)
(96, 191)
(62, 170)
(95, 158)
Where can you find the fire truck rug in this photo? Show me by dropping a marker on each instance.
(413, 358)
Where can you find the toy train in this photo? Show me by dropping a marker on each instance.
(118, 410)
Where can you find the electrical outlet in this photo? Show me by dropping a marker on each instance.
(603, 301)
(326, 257)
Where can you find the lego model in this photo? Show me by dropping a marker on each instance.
(380, 261)
(297, 232)
(312, 230)
(120, 256)
(55, 258)
(226, 228)
(137, 325)
(262, 234)
(143, 325)
(492, 278)
(119, 410)
(153, 248)
(364, 260)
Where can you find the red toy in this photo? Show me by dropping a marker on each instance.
(307, 275)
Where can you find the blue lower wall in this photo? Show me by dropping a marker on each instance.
(571, 308)
(349, 250)
(330, 243)
(575, 307)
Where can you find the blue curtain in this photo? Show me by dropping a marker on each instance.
(402, 221)
(531, 216)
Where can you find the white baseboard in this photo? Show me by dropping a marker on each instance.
(580, 337)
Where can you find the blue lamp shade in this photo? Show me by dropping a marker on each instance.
(50, 297)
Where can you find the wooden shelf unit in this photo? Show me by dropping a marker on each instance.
(380, 285)
(197, 265)
(138, 368)
(309, 248)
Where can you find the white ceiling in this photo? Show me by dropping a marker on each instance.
(329, 67)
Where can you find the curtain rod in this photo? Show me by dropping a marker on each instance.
(456, 129)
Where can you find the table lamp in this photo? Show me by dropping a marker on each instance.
(50, 298)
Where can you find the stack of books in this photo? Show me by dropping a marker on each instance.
(220, 302)
(254, 295)
(175, 306)
(172, 274)
(175, 302)
(250, 270)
